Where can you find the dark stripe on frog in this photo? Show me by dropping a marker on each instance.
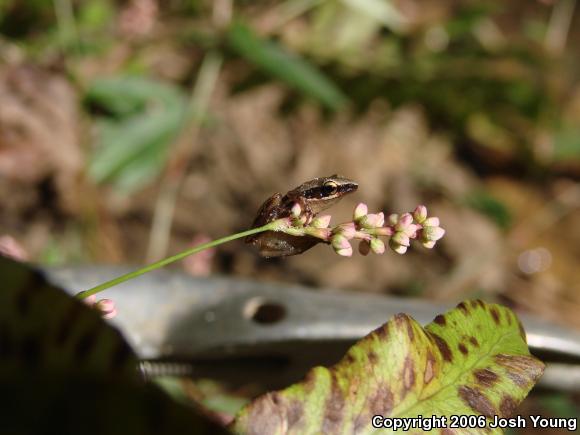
(327, 191)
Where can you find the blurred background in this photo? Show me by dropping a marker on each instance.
(130, 130)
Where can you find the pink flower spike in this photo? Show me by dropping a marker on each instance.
(364, 247)
(322, 221)
(360, 211)
(378, 246)
(420, 213)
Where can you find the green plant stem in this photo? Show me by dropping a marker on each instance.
(158, 264)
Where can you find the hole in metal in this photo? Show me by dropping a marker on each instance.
(264, 312)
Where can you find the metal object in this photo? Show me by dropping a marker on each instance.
(239, 330)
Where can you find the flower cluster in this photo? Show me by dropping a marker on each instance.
(367, 228)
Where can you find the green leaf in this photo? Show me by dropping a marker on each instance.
(474, 360)
(128, 95)
(65, 370)
(43, 329)
(132, 151)
(285, 66)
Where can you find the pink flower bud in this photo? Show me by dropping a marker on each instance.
(399, 249)
(360, 211)
(296, 210)
(90, 300)
(373, 220)
(107, 308)
(400, 238)
(105, 305)
(420, 213)
(433, 233)
(378, 246)
(411, 231)
(321, 221)
(383, 231)
(364, 247)
(393, 219)
(404, 221)
(341, 245)
(347, 230)
(319, 233)
(431, 222)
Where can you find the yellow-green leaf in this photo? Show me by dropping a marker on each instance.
(474, 360)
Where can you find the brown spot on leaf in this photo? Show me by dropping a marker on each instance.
(373, 357)
(294, 413)
(474, 341)
(480, 303)
(442, 346)
(333, 407)
(382, 331)
(429, 368)
(486, 377)
(447, 431)
(476, 400)
(522, 370)
(463, 307)
(509, 317)
(408, 375)
(495, 315)
(440, 320)
(381, 403)
(462, 349)
(507, 406)
(265, 416)
(402, 320)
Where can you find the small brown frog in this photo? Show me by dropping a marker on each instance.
(313, 196)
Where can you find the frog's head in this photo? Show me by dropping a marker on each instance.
(322, 192)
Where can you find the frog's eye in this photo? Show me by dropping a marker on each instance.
(330, 187)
